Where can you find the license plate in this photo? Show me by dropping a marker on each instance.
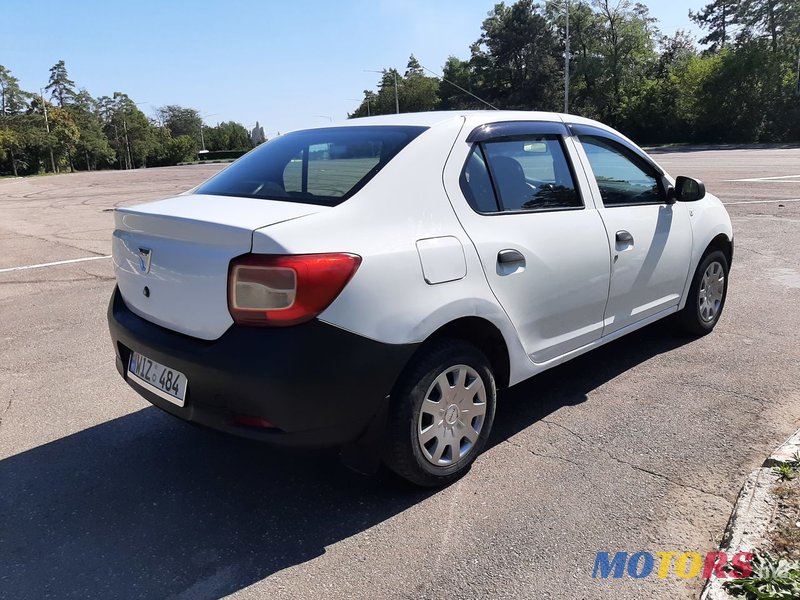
(165, 382)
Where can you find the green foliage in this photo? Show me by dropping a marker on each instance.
(785, 472)
(88, 133)
(412, 92)
(517, 58)
(742, 88)
(12, 99)
(181, 121)
(227, 136)
(719, 18)
(772, 579)
(61, 87)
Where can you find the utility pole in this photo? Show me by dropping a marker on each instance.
(396, 95)
(127, 141)
(797, 90)
(47, 126)
(566, 62)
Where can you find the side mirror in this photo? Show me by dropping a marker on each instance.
(688, 189)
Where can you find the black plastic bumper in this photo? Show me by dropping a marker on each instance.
(317, 384)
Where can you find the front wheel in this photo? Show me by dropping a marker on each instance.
(706, 295)
(441, 413)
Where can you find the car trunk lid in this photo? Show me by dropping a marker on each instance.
(171, 257)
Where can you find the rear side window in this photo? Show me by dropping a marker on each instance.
(317, 166)
(521, 174)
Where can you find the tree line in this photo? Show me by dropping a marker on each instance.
(740, 85)
(62, 128)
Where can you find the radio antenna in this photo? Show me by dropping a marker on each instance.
(459, 87)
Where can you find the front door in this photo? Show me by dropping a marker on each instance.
(650, 239)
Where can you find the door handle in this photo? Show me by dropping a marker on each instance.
(624, 241)
(624, 237)
(510, 256)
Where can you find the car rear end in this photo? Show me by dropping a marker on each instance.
(215, 334)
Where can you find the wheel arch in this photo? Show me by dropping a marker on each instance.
(723, 243)
(485, 336)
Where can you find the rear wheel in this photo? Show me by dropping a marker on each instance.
(706, 295)
(441, 413)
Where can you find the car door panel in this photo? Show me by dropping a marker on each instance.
(650, 239)
(557, 297)
(649, 276)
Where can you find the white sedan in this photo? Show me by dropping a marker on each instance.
(371, 284)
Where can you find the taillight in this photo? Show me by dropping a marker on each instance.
(272, 290)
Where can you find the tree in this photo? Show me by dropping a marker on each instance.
(9, 141)
(227, 136)
(774, 19)
(415, 92)
(517, 58)
(181, 121)
(718, 18)
(12, 99)
(92, 147)
(61, 87)
(65, 134)
(627, 47)
(458, 75)
(418, 92)
(131, 134)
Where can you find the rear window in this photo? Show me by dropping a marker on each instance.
(316, 166)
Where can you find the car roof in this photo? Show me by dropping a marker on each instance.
(474, 118)
(431, 118)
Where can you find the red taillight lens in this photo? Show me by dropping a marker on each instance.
(286, 290)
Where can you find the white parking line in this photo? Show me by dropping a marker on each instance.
(53, 264)
(763, 201)
(778, 179)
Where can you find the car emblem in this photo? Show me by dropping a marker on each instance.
(144, 259)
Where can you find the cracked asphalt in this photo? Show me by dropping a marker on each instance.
(640, 445)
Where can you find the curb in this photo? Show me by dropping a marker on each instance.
(752, 512)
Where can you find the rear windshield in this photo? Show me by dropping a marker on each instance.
(317, 166)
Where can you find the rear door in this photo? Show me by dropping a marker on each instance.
(540, 240)
(650, 238)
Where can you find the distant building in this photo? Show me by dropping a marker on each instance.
(257, 135)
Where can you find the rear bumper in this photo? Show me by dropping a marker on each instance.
(318, 384)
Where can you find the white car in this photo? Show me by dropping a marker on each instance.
(372, 284)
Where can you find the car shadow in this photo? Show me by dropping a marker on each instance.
(146, 506)
(568, 384)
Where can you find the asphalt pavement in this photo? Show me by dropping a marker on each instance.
(641, 445)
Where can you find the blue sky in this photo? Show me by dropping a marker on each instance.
(281, 63)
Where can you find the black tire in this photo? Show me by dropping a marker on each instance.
(404, 453)
(690, 320)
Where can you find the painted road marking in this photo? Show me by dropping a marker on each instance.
(778, 179)
(53, 264)
(763, 201)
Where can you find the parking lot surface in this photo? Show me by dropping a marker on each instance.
(639, 445)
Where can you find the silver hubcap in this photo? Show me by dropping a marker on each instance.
(452, 415)
(712, 287)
